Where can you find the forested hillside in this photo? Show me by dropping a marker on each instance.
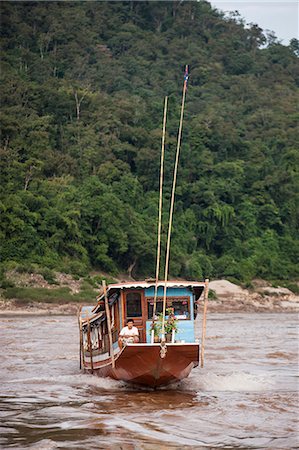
(82, 92)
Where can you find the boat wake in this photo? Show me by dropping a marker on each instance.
(207, 382)
(231, 382)
(80, 380)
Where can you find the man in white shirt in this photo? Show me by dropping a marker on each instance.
(128, 334)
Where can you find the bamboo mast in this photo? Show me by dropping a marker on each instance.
(160, 214)
(172, 199)
(204, 322)
(108, 324)
(89, 344)
(81, 337)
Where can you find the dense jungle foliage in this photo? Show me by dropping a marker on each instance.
(82, 90)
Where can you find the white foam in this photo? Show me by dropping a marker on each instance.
(197, 381)
(75, 380)
(233, 382)
(45, 444)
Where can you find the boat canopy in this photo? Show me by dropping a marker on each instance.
(87, 315)
(113, 289)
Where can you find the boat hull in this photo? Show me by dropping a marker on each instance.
(144, 364)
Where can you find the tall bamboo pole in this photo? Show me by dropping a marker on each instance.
(81, 337)
(172, 201)
(160, 213)
(108, 324)
(89, 344)
(204, 322)
(83, 354)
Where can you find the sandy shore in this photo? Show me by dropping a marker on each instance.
(232, 298)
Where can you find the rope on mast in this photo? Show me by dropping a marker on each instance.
(172, 199)
(160, 214)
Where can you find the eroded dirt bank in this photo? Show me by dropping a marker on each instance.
(262, 297)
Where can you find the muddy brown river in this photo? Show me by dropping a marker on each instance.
(246, 396)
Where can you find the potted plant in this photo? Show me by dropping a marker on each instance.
(156, 328)
(170, 325)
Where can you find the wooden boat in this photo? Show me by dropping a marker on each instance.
(146, 362)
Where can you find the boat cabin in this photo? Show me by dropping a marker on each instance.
(135, 300)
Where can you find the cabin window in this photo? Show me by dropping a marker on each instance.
(133, 303)
(181, 307)
(159, 307)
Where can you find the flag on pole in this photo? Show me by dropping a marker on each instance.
(186, 75)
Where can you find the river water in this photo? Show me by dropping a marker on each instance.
(246, 396)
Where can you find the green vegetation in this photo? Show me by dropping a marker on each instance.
(57, 295)
(82, 88)
(212, 295)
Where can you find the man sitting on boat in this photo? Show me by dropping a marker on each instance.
(129, 334)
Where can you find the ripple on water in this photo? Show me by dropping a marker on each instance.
(245, 397)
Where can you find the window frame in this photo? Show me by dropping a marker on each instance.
(126, 305)
(171, 298)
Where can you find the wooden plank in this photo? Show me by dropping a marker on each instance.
(89, 344)
(108, 324)
(80, 337)
(204, 322)
(123, 313)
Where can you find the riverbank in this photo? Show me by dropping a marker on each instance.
(261, 297)
(33, 294)
(14, 308)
